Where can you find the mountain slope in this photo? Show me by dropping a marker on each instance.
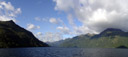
(12, 35)
(109, 38)
(111, 32)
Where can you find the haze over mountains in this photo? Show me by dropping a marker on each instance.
(12, 35)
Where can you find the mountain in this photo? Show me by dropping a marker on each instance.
(109, 38)
(111, 32)
(12, 35)
(57, 43)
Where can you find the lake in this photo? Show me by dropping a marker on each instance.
(63, 52)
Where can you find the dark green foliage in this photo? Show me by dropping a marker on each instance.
(12, 35)
(109, 38)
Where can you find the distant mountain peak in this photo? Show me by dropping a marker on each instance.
(111, 32)
(113, 29)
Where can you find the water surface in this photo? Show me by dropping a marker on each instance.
(63, 52)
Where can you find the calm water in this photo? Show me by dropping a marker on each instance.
(63, 52)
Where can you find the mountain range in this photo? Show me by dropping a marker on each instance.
(109, 38)
(12, 36)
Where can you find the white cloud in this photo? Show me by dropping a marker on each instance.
(53, 20)
(95, 15)
(37, 19)
(8, 5)
(38, 34)
(49, 37)
(32, 27)
(70, 19)
(41, 19)
(8, 12)
(64, 5)
(56, 21)
(64, 30)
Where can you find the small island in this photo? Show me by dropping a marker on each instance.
(122, 47)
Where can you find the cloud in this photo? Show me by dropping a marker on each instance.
(38, 34)
(53, 20)
(32, 27)
(95, 15)
(70, 19)
(8, 12)
(60, 4)
(64, 30)
(41, 19)
(37, 19)
(49, 36)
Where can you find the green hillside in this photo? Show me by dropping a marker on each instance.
(12, 35)
(109, 38)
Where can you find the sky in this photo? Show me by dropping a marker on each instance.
(54, 20)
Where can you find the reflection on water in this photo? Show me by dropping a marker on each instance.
(63, 52)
